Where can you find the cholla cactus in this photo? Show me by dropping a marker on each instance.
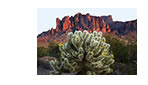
(84, 53)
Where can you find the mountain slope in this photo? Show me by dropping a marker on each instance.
(89, 23)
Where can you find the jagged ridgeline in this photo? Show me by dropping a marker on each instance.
(84, 54)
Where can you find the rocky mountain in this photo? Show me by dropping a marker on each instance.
(89, 23)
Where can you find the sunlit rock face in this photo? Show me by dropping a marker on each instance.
(86, 22)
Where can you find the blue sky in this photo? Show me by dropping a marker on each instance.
(47, 16)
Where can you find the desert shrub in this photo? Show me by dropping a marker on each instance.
(53, 49)
(125, 52)
(132, 52)
(42, 51)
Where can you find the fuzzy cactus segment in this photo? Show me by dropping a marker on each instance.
(84, 53)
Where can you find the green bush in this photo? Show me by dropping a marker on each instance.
(42, 51)
(53, 49)
(125, 52)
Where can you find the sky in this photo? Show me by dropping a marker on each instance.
(46, 17)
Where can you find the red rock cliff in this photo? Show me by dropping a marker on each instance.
(86, 22)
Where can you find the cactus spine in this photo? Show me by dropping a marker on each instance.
(84, 53)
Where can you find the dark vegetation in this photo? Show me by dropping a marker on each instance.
(52, 50)
(124, 50)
